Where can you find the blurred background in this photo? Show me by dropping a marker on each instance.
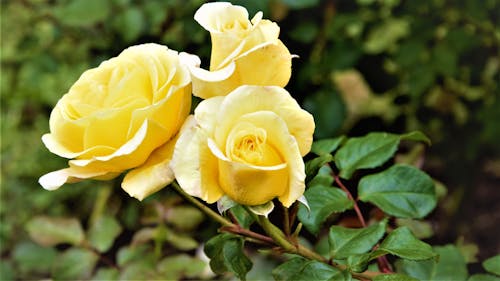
(364, 65)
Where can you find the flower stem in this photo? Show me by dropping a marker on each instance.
(382, 262)
(226, 224)
(286, 221)
(279, 237)
(355, 204)
(218, 218)
(283, 242)
(248, 233)
(276, 236)
(100, 204)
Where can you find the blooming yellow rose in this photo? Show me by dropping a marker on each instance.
(244, 52)
(247, 145)
(119, 116)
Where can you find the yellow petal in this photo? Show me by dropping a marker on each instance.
(153, 175)
(162, 66)
(132, 154)
(206, 113)
(260, 34)
(250, 186)
(228, 25)
(195, 168)
(107, 129)
(57, 148)
(168, 113)
(215, 16)
(208, 84)
(66, 137)
(254, 185)
(248, 99)
(56, 179)
(268, 64)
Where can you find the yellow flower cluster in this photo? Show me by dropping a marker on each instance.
(245, 141)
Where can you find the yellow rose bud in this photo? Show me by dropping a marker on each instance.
(247, 145)
(119, 116)
(244, 52)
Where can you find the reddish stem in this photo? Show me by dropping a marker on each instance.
(233, 218)
(382, 262)
(349, 195)
(248, 233)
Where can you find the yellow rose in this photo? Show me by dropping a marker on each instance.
(247, 145)
(119, 116)
(244, 52)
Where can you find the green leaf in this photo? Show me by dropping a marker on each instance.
(262, 268)
(421, 229)
(492, 265)
(226, 254)
(81, 13)
(450, 266)
(108, 274)
(180, 241)
(299, 269)
(33, 258)
(129, 254)
(345, 242)
(305, 32)
(50, 231)
(103, 233)
(394, 277)
(358, 262)
(323, 201)
(326, 105)
(402, 191)
(323, 177)
(444, 60)
(322, 246)
(300, 4)
(129, 23)
(185, 217)
(7, 271)
(161, 234)
(342, 276)
(326, 146)
(416, 136)
(409, 53)
(469, 250)
(180, 266)
(369, 151)
(242, 216)
(144, 235)
(75, 263)
(483, 277)
(402, 243)
(385, 35)
(419, 79)
(140, 270)
(313, 166)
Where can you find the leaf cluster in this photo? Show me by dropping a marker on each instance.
(431, 64)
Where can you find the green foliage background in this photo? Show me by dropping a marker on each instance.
(364, 65)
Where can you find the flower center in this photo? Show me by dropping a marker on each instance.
(236, 25)
(249, 148)
(247, 144)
